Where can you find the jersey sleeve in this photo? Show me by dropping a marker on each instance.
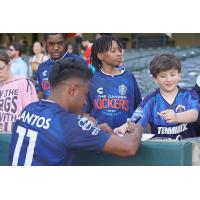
(84, 135)
(142, 113)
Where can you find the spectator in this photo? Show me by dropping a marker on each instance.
(56, 48)
(72, 49)
(15, 93)
(170, 109)
(113, 93)
(55, 128)
(87, 45)
(38, 58)
(18, 65)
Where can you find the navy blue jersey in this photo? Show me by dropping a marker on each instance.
(113, 99)
(154, 103)
(44, 71)
(46, 134)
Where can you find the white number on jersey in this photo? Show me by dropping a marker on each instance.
(32, 135)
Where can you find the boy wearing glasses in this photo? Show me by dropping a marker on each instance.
(15, 93)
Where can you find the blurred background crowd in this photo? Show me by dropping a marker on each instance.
(28, 50)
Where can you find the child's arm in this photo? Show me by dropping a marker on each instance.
(183, 117)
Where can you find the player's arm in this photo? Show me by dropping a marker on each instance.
(126, 145)
(183, 117)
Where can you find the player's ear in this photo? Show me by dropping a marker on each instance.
(71, 89)
(100, 56)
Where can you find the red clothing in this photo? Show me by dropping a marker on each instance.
(87, 54)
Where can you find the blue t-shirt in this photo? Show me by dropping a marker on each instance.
(154, 103)
(113, 99)
(44, 70)
(46, 134)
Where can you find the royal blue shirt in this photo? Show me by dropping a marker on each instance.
(44, 72)
(113, 99)
(46, 134)
(154, 103)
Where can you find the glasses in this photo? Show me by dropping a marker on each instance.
(11, 49)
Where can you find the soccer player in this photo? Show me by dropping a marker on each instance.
(56, 48)
(170, 109)
(114, 93)
(49, 131)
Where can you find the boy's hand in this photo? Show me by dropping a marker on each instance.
(169, 116)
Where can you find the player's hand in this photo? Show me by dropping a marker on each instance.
(169, 116)
(105, 127)
(123, 129)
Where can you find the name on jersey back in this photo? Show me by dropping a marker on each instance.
(35, 120)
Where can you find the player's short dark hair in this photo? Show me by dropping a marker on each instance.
(46, 35)
(4, 56)
(68, 68)
(164, 62)
(101, 45)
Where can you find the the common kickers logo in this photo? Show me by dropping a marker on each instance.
(122, 89)
(87, 125)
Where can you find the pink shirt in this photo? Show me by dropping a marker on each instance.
(15, 94)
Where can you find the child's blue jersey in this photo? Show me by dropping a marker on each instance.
(45, 134)
(44, 71)
(154, 103)
(113, 99)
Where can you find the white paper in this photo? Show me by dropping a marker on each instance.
(147, 136)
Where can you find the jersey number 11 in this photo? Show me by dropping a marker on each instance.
(32, 135)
